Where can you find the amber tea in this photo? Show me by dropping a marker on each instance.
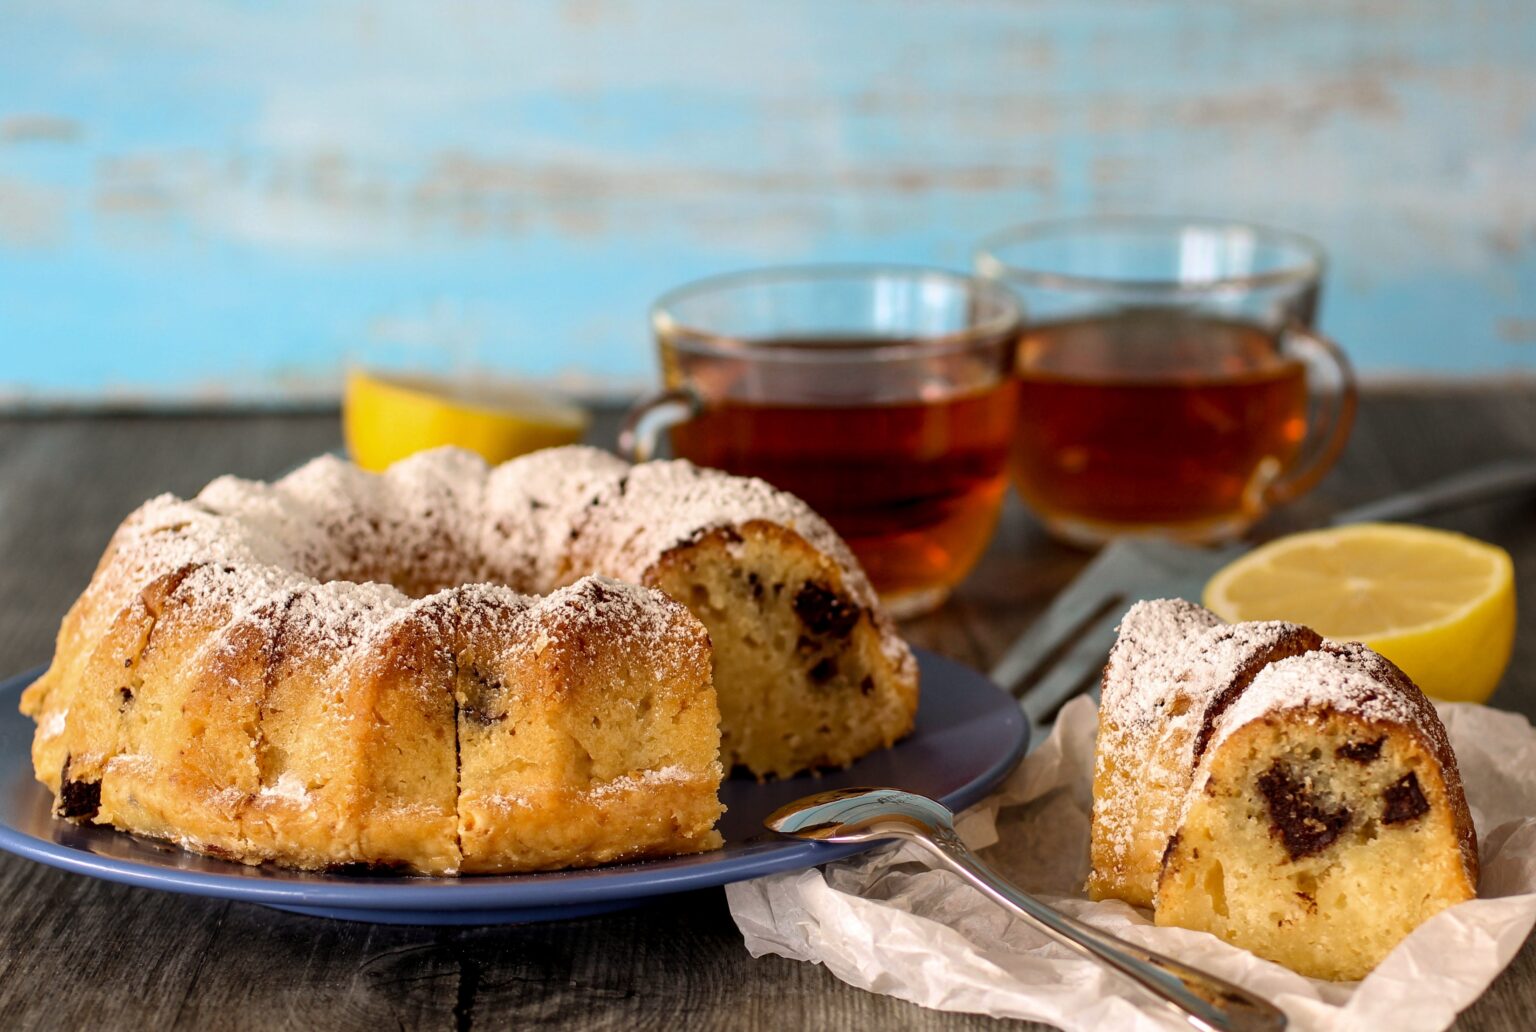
(913, 486)
(1154, 418)
(881, 395)
(1171, 383)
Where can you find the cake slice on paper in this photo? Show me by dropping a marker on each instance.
(1306, 797)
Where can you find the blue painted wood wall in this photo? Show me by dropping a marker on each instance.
(205, 200)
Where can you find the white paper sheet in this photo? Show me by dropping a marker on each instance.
(885, 922)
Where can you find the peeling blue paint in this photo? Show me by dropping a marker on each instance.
(225, 199)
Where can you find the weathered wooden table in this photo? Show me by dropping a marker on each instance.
(78, 953)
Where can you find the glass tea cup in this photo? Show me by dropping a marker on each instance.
(1170, 382)
(880, 395)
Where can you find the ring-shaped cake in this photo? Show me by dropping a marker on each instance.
(451, 669)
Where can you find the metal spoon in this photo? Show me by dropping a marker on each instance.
(868, 814)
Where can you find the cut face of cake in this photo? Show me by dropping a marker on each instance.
(803, 674)
(1327, 821)
(1294, 796)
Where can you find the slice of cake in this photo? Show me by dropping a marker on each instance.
(1173, 669)
(1326, 821)
(1300, 795)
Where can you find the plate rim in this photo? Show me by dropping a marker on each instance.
(558, 889)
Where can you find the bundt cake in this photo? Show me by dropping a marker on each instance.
(1294, 796)
(341, 668)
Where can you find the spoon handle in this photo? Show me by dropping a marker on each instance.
(1206, 1001)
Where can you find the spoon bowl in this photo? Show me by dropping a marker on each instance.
(858, 815)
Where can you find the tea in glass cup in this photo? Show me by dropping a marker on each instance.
(1169, 381)
(882, 396)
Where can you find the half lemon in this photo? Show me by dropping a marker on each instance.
(386, 418)
(1438, 604)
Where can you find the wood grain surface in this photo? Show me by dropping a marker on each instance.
(78, 953)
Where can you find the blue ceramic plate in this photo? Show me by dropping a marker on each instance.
(969, 736)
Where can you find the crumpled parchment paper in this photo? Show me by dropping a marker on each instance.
(885, 922)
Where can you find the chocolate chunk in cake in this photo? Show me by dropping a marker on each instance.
(1404, 800)
(1361, 752)
(78, 800)
(824, 611)
(1297, 816)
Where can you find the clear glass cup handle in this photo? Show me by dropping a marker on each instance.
(651, 417)
(1333, 399)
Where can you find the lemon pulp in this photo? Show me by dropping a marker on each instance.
(1438, 604)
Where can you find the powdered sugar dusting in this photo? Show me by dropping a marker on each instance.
(327, 623)
(639, 780)
(330, 557)
(328, 549)
(166, 534)
(1152, 635)
(1174, 668)
(674, 774)
(652, 625)
(137, 762)
(53, 727)
(659, 505)
(532, 506)
(441, 519)
(1343, 677)
(434, 514)
(1174, 661)
(288, 787)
